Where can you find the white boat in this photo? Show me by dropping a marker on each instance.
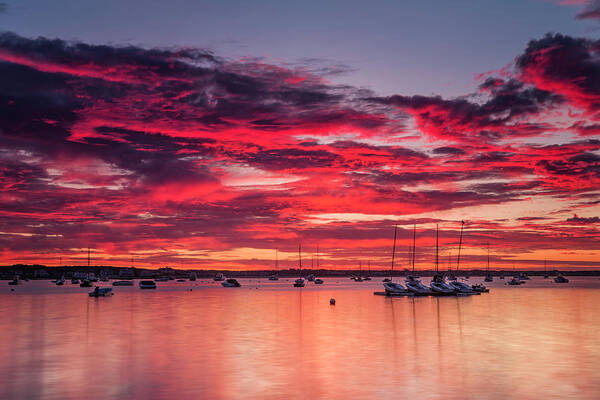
(415, 286)
(147, 285)
(122, 283)
(393, 288)
(61, 281)
(230, 282)
(101, 292)
(219, 277)
(461, 287)
(439, 286)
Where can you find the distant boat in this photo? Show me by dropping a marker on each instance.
(219, 277)
(274, 276)
(181, 280)
(161, 279)
(230, 282)
(147, 285)
(461, 287)
(300, 281)
(488, 276)
(310, 278)
(75, 281)
(101, 292)
(480, 288)
(85, 283)
(514, 282)
(15, 281)
(61, 281)
(192, 277)
(545, 270)
(318, 281)
(122, 283)
(393, 288)
(561, 279)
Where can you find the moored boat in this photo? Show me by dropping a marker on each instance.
(122, 283)
(101, 292)
(147, 285)
(219, 277)
(230, 282)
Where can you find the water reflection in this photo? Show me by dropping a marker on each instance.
(278, 341)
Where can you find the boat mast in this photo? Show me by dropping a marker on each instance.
(460, 243)
(276, 260)
(300, 256)
(413, 252)
(317, 256)
(88, 256)
(393, 253)
(437, 247)
(488, 266)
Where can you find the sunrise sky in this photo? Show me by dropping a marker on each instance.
(199, 134)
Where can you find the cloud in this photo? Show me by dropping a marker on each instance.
(583, 220)
(590, 11)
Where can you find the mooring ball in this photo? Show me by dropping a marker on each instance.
(332, 301)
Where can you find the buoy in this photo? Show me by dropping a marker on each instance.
(332, 302)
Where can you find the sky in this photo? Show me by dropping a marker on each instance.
(209, 134)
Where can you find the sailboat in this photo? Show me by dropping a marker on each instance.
(368, 277)
(438, 284)
(414, 285)
(274, 276)
(300, 281)
(460, 287)
(393, 288)
(61, 281)
(545, 270)
(488, 277)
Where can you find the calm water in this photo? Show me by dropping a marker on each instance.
(269, 340)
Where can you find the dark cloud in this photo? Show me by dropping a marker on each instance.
(583, 220)
(448, 150)
(590, 11)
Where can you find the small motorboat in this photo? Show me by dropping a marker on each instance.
(310, 278)
(15, 281)
(101, 292)
(489, 278)
(514, 282)
(480, 288)
(367, 278)
(299, 282)
(439, 286)
(122, 283)
(318, 281)
(461, 287)
(358, 279)
(230, 282)
(273, 278)
(393, 288)
(85, 283)
(75, 281)
(192, 277)
(415, 286)
(386, 280)
(181, 280)
(561, 279)
(147, 285)
(61, 281)
(219, 277)
(161, 279)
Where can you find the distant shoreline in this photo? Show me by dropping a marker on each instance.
(37, 271)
